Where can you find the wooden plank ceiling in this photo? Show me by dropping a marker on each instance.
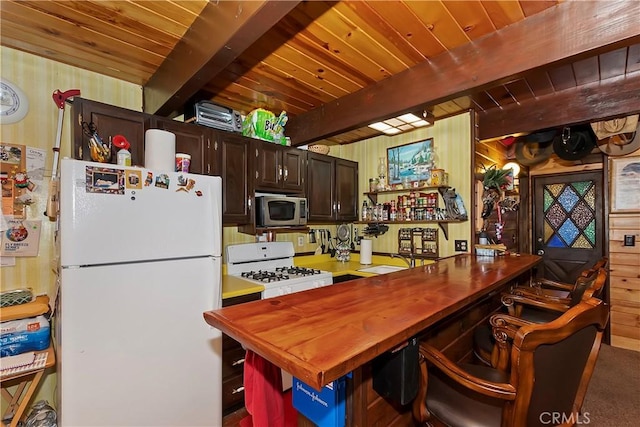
(337, 66)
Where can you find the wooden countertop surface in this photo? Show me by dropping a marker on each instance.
(322, 334)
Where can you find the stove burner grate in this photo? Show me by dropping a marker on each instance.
(265, 276)
(298, 271)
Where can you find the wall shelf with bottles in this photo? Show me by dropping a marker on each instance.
(443, 224)
(417, 205)
(373, 195)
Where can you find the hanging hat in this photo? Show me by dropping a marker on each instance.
(615, 126)
(574, 143)
(541, 136)
(535, 148)
(623, 143)
(508, 141)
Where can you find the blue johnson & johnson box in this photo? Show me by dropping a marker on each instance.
(325, 408)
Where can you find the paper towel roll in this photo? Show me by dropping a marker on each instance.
(160, 150)
(366, 250)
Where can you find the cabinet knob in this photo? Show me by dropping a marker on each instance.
(280, 172)
(286, 173)
(237, 390)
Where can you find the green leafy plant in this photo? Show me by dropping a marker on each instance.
(495, 178)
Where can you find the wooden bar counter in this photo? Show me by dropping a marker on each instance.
(322, 334)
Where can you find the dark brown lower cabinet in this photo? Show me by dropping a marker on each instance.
(233, 364)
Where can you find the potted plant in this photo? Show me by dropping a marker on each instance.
(494, 181)
(495, 178)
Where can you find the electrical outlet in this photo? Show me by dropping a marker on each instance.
(300, 241)
(461, 245)
(629, 240)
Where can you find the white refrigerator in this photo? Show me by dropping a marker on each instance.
(139, 262)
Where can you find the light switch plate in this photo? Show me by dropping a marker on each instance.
(300, 241)
(629, 240)
(461, 246)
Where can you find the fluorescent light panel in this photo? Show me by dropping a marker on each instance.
(401, 123)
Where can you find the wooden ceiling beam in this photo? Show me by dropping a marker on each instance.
(218, 36)
(575, 106)
(566, 32)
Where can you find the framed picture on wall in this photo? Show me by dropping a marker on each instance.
(625, 184)
(410, 162)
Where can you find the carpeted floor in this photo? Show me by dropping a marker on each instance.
(613, 397)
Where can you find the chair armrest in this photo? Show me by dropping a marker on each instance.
(541, 294)
(514, 304)
(504, 329)
(508, 322)
(542, 283)
(503, 391)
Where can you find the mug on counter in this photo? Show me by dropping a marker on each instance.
(183, 161)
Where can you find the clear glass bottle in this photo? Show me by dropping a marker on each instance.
(364, 213)
(382, 173)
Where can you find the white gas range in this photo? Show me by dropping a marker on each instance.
(270, 264)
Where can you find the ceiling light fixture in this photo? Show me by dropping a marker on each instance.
(403, 123)
(514, 166)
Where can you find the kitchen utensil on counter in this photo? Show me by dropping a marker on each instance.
(332, 249)
(343, 250)
(355, 239)
(343, 233)
(318, 250)
(312, 236)
(322, 241)
(375, 230)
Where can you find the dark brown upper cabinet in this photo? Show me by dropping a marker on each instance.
(332, 189)
(108, 122)
(229, 157)
(191, 139)
(279, 168)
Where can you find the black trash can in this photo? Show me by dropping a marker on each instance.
(396, 374)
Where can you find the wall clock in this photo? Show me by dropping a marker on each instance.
(14, 104)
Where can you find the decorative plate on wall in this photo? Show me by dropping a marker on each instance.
(14, 104)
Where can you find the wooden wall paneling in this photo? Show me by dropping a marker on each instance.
(624, 281)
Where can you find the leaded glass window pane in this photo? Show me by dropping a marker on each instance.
(569, 215)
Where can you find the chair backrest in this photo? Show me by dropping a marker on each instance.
(601, 263)
(552, 364)
(589, 286)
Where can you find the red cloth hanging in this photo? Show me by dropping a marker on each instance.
(263, 391)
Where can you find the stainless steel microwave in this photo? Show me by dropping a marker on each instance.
(280, 211)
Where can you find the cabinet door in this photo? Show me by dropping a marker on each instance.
(233, 363)
(190, 139)
(109, 121)
(269, 168)
(321, 185)
(294, 163)
(346, 190)
(234, 168)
